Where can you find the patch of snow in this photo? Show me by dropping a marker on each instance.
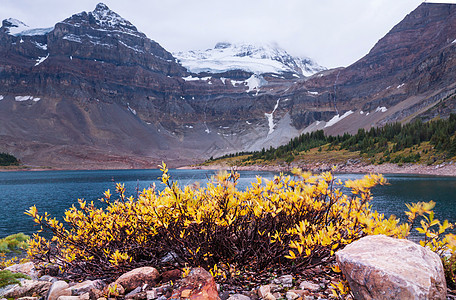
(132, 48)
(131, 110)
(223, 79)
(270, 118)
(21, 41)
(41, 59)
(35, 31)
(388, 87)
(401, 85)
(367, 114)
(207, 131)
(14, 26)
(381, 109)
(41, 46)
(1, 97)
(337, 118)
(234, 82)
(257, 59)
(26, 98)
(148, 123)
(254, 83)
(190, 78)
(361, 113)
(312, 93)
(189, 126)
(248, 123)
(453, 42)
(72, 38)
(71, 57)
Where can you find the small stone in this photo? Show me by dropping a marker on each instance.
(28, 298)
(114, 289)
(95, 294)
(85, 296)
(285, 280)
(307, 285)
(200, 282)
(238, 297)
(186, 293)
(138, 277)
(86, 286)
(102, 298)
(68, 298)
(264, 290)
(171, 275)
(269, 296)
(57, 289)
(135, 291)
(48, 278)
(152, 294)
(291, 295)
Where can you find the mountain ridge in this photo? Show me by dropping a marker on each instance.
(91, 94)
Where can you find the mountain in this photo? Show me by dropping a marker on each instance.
(409, 73)
(94, 92)
(257, 59)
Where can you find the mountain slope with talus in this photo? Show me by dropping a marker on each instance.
(94, 92)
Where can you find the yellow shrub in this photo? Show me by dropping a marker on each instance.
(288, 222)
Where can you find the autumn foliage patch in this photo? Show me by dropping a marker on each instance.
(288, 223)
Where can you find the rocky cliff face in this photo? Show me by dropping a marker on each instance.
(94, 92)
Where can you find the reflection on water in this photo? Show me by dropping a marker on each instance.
(55, 191)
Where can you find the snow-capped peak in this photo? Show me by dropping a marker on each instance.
(257, 59)
(14, 26)
(105, 17)
(19, 28)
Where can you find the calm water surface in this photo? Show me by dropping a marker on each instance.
(55, 191)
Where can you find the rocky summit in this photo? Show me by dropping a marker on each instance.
(94, 92)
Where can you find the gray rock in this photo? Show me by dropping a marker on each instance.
(28, 288)
(291, 295)
(48, 278)
(285, 280)
(27, 268)
(380, 267)
(135, 291)
(57, 289)
(86, 286)
(307, 285)
(69, 298)
(238, 297)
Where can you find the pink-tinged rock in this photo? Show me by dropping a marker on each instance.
(86, 286)
(138, 277)
(57, 289)
(198, 285)
(27, 268)
(28, 288)
(380, 267)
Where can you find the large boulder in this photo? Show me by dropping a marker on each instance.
(138, 277)
(380, 267)
(198, 285)
(27, 288)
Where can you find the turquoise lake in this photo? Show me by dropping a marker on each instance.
(55, 191)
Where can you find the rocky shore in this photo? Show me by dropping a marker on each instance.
(444, 169)
(376, 267)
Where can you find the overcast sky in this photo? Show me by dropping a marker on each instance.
(333, 32)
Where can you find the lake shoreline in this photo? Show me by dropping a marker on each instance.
(444, 169)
